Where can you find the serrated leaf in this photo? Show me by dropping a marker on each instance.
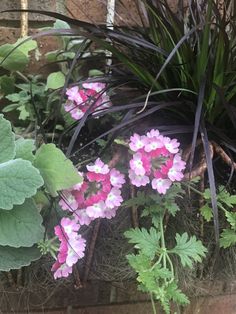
(206, 212)
(172, 207)
(176, 294)
(207, 194)
(189, 249)
(226, 198)
(7, 140)
(227, 238)
(21, 226)
(15, 97)
(24, 149)
(231, 218)
(148, 275)
(139, 200)
(57, 171)
(15, 258)
(18, 180)
(146, 242)
(55, 80)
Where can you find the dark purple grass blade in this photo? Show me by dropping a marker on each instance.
(197, 121)
(211, 178)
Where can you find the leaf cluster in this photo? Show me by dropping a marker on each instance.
(22, 173)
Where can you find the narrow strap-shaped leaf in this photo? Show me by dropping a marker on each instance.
(197, 120)
(211, 178)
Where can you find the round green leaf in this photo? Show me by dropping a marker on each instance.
(21, 226)
(55, 80)
(7, 140)
(12, 258)
(57, 171)
(15, 60)
(18, 180)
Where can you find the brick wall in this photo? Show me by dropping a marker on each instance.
(87, 10)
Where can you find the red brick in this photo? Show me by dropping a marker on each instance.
(93, 11)
(49, 5)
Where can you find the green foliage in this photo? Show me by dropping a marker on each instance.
(145, 241)
(18, 180)
(189, 249)
(152, 262)
(227, 238)
(12, 60)
(7, 151)
(206, 212)
(139, 200)
(15, 258)
(16, 59)
(55, 80)
(26, 96)
(25, 148)
(57, 171)
(21, 226)
(20, 220)
(225, 202)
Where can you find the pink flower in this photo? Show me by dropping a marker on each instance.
(62, 253)
(114, 198)
(96, 210)
(137, 142)
(68, 202)
(153, 133)
(69, 106)
(82, 217)
(117, 179)
(175, 172)
(72, 93)
(110, 213)
(97, 86)
(81, 99)
(69, 226)
(171, 145)
(153, 143)
(138, 180)
(77, 113)
(98, 167)
(61, 270)
(136, 164)
(76, 248)
(161, 185)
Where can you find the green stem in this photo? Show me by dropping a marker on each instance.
(163, 244)
(192, 188)
(153, 305)
(157, 262)
(171, 267)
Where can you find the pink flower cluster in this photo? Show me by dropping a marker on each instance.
(156, 160)
(98, 196)
(80, 99)
(72, 247)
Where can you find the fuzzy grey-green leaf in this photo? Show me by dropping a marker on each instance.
(24, 149)
(18, 180)
(7, 138)
(21, 226)
(15, 258)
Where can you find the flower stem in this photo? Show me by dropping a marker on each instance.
(153, 305)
